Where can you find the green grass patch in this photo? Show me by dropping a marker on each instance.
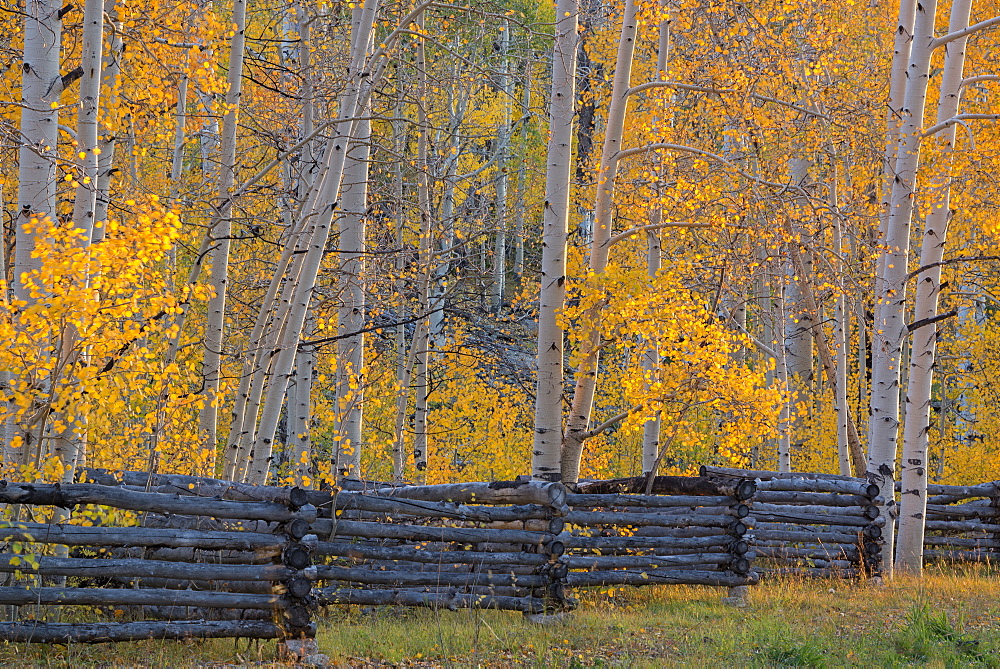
(950, 618)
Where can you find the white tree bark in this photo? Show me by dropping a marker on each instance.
(503, 138)
(890, 284)
(651, 354)
(578, 423)
(222, 226)
(549, 389)
(328, 193)
(106, 161)
(351, 319)
(916, 426)
(40, 87)
(841, 319)
(85, 203)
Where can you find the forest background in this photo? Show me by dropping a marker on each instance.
(439, 241)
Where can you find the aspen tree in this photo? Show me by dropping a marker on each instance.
(651, 354)
(890, 283)
(503, 139)
(221, 232)
(548, 423)
(106, 161)
(578, 423)
(36, 180)
(916, 425)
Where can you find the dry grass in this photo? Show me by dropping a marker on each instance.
(950, 618)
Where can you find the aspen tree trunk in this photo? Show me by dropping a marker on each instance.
(222, 226)
(402, 368)
(651, 355)
(840, 337)
(503, 138)
(799, 319)
(299, 415)
(40, 86)
(69, 444)
(916, 426)
(328, 198)
(351, 318)
(519, 205)
(106, 161)
(779, 319)
(545, 456)
(890, 312)
(902, 43)
(421, 338)
(36, 186)
(578, 423)
(85, 203)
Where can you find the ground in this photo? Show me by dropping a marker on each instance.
(950, 618)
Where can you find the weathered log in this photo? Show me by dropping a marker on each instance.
(735, 510)
(431, 578)
(65, 633)
(499, 492)
(201, 613)
(200, 486)
(967, 542)
(809, 572)
(831, 513)
(470, 535)
(837, 552)
(711, 470)
(601, 562)
(419, 508)
(961, 511)
(453, 601)
(200, 585)
(370, 552)
(608, 501)
(804, 533)
(70, 495)
(258, 556)
(859, 487)
(602, 518)
(639, 543)
(789, 515)
(958, 492)
(962, 526)
(159, 597)
(737, 529)
(75, 535)
(134, 568)
(659, 576)
(794, 497)
(550, 526)
(672, 485)
(963, 556)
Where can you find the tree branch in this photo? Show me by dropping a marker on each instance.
(916, 325)
(958, 34)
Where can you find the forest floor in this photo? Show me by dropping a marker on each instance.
(950, 618)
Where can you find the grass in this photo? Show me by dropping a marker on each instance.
(950, 618)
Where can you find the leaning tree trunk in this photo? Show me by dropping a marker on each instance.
(916, 426)
(578, 423)
(890, 312)
(221, 232)
(327, 196)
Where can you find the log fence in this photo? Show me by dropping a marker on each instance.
(812, 524)
(198, 557)
(962, 523)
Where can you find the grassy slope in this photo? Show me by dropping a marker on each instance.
(949, 619)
